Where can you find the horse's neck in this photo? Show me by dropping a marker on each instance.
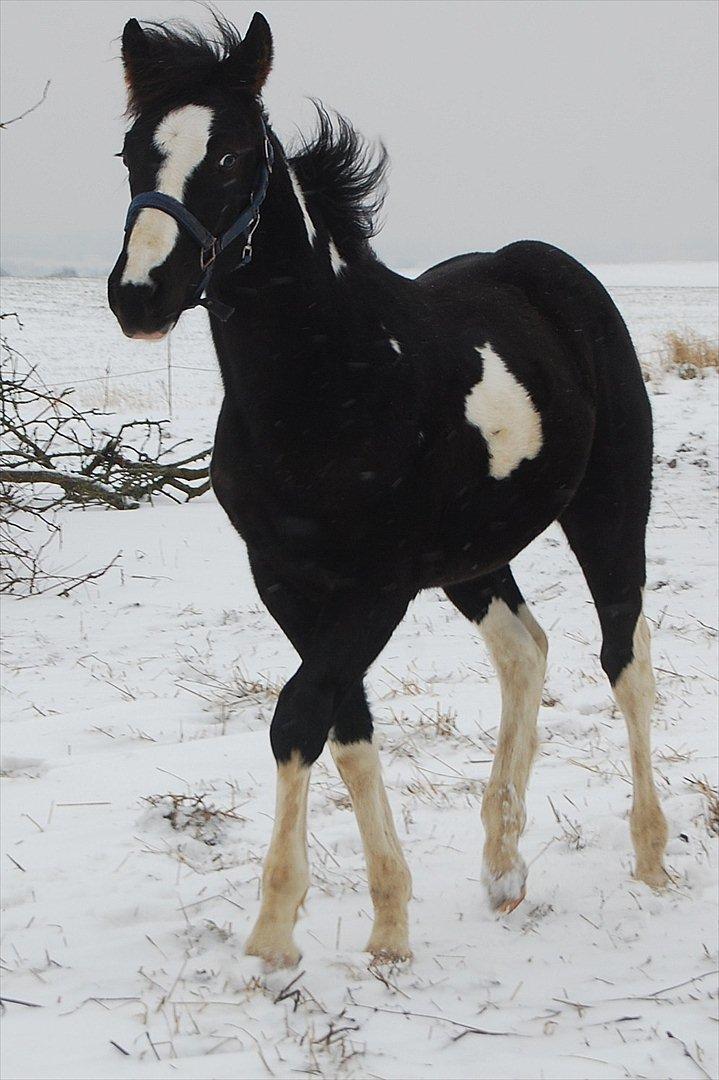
(293, 302)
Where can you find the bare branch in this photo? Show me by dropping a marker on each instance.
(73, 484)
(6, 123)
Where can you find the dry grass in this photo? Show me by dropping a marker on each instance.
(711, 797)
(571, 830)
(429, 724)
(689, 353)
(227, 693)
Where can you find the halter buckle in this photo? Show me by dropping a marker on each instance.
(209, 254)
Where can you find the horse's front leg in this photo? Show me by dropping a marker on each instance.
(390, 882)
(349, 632)
(285, 876)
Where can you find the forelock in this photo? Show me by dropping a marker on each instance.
(181, 63)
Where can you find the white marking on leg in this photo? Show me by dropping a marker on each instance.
(635, 692)
(338, 263)
(530, 623)
(181, 137)
(285, 876)
(396, 346)
(505, 414)
(300, 196)
(520, 662)
(389, 877)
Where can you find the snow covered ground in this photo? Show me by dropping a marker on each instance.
(139, 784)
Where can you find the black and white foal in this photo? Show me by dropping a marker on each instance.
(380, 436)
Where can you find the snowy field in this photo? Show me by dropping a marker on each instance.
(127, 898)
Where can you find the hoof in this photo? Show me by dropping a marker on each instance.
(656, 877)
(510, 905)
(388, 948)
(274, 957)
(389, 954)
(506, 891)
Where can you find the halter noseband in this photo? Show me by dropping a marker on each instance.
(210, 245)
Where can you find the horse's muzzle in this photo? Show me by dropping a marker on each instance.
(139, 309)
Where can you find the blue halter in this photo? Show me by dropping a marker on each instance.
(210, 245)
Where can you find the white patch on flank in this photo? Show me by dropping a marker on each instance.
(300, 196)
(338, 263)
(181, 138)
(504, 412)
(395, 345)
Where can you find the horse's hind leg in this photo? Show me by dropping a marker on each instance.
(610, 550)
(518, 648)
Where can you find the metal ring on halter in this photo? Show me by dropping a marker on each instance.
(208, 255)
(251, 230)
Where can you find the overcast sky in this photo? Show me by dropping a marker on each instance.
(588, 123)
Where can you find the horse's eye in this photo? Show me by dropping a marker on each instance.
(228, 161)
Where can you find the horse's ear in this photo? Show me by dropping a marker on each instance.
(250, 63)
(257, 47)
(135, 55)
(134, 42)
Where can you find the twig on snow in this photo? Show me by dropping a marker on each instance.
(154, 1048)
(686, 982)
(287, 991)
(469, 1029)
(687, 1053)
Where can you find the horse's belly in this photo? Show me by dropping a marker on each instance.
(482, 521)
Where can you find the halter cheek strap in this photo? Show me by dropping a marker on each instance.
(210, 245)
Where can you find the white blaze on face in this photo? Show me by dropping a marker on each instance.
(181, 138)
(505, 414)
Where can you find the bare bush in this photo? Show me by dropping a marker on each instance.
(195, 815)
(54, 454)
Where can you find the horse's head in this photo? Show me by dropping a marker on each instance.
(197, 136)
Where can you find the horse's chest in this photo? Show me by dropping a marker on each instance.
(308, 501)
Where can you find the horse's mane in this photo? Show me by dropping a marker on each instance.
(344, 178)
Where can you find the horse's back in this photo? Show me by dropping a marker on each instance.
(557, 286)
(570, 300)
